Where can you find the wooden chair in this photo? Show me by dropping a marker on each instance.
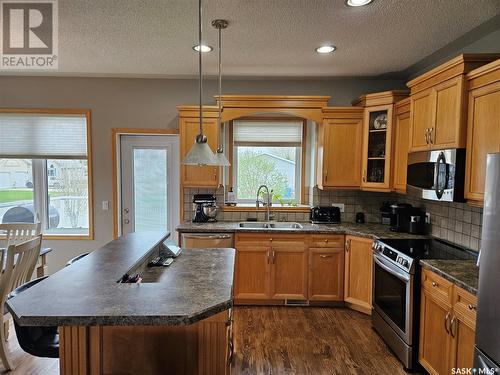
(17, 262)
(16, 233)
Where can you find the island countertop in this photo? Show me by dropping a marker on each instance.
(196, 286)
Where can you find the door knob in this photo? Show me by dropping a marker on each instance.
(126, 210)
(126, 221)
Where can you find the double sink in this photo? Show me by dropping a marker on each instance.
(270, 225)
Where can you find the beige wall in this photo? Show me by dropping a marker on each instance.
(146, 103)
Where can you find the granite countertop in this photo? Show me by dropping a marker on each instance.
(369, 230)
(197, 285)
(463, 273)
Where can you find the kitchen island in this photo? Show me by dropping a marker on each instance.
(178, 321)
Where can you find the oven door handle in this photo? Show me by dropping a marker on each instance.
(389, 269)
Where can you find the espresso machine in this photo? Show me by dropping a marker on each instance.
(205, 208)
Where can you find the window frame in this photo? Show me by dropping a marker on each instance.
(40, 173)
(299, 177)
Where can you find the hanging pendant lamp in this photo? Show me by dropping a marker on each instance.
(220, 158)
(200, 153)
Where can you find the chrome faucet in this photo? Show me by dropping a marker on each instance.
(268, 203)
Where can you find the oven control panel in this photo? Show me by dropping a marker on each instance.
(396, 257)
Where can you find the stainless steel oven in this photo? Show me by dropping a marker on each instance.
(437, 175)
(394, 297)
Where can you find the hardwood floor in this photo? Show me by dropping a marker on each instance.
(281, 340)
(308, 340)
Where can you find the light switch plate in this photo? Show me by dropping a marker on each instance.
(105, 205)
(427, 218)
(339, 205)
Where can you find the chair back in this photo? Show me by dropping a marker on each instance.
(20, 232)
(18, 262)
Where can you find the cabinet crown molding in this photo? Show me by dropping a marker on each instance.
(342, 112)
(462, 64)
(380, 98)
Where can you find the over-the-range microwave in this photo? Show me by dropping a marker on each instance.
(437, 175)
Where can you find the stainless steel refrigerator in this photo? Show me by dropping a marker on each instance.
(487, 353)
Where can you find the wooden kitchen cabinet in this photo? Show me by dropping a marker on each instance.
(339, 142)
(326, 274)
(447, 325)
(198, 176)
(358, 273)
(252, 270)
(288, 271)
(377, 152)
(483, 127)
(401, 144)
(270, 266)
(438, 105)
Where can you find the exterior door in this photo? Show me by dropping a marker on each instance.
(149, 186)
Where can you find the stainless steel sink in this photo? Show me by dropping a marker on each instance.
(268, 225)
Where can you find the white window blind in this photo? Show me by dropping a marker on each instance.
(43, 136)
(265, 132)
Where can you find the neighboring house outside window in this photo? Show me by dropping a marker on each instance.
(39, 178)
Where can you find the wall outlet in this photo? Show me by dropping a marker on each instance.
(427, 217)
(339, 205)
(105, 205)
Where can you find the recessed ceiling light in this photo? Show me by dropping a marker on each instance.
(358, 3)
(326, 49)
(204, 48)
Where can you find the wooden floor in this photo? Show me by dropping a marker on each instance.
(308, 340)
(281, 340)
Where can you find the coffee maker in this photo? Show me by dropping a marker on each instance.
(406, 218)
(205, 208)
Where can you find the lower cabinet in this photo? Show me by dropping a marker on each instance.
(358, 273)
(274, 267)
(326, 274)
(447, 325)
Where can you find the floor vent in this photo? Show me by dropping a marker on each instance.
(296, 302)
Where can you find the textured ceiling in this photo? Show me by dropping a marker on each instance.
(264, 38)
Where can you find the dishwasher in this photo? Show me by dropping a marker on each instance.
(207, 240)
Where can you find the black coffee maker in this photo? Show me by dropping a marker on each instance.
(205, 208)
(406, 218)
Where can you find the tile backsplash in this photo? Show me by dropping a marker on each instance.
(455, 222)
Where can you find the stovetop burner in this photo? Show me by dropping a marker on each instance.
(428, 248)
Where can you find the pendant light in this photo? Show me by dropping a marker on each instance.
(220, 158)
(200, 153)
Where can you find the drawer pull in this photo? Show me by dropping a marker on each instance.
(325, 256)
(434, 283)
(471, 307)
(326, 239)
(271, 239)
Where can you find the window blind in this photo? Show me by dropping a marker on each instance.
(275, 132)
(43, 136)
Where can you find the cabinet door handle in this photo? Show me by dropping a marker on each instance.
(364, 175)
(453, 323)
(347, 245)
(434, 284)
(426, 138)
(268, 256)
(273, 256)
(326, 239)
(326, 175)
(446, 320)
(430, 136)
(325, 256)
(471, 307)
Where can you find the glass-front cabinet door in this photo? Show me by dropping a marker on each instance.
(376, 171)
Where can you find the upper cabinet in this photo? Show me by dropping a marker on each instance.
(438, 104)
(197, 176)
(339, 141)
(483, 127)
(401, 144)
(378, 128)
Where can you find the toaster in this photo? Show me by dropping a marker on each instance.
(325, 215)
